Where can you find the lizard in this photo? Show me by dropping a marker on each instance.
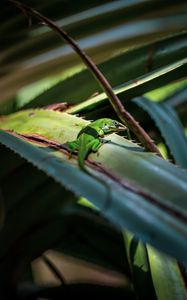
(89, 139)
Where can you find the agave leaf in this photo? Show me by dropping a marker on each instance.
(48, 123)
(139, 265)
(160, 188)
(126, 66)
(167, 278)
(159, 273)
(168, 72)
(170, 126)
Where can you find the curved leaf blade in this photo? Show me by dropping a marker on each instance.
(161, 222)
(139, 265)
(170, 127)
(167, 277)
(171, 71)
(127, 66)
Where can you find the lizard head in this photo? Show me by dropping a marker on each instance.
(109, 125)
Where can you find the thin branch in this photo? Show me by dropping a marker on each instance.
(122, 113)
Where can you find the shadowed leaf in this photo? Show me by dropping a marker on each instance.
(170, 126)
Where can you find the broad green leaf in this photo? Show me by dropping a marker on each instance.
(140, 180)
(159, 273)
(170, 126)
(169, 72)
(167, 278)
(126, 66)
(48, 123)
(139, 265)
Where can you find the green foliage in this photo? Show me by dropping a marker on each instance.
(141, 47)
(170, 127)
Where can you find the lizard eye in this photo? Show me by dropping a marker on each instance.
(116, 124)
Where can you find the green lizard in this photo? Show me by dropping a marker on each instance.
(89, 139)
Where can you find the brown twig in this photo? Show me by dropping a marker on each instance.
(122, 113)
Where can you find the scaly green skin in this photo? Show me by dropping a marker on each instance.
(89, 138)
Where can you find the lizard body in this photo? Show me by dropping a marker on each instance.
(89, 138)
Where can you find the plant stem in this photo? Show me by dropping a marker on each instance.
(120, 110)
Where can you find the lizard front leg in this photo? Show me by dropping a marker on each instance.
(95, 145)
